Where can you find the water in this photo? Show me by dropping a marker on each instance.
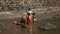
(10, 28)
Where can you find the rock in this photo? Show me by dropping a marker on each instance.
(47, 26)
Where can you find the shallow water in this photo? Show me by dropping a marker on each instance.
(7, 27)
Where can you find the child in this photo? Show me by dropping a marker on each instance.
(28, 21)
(23, 20)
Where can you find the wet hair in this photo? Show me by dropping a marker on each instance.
(33, 13)
(28, 14)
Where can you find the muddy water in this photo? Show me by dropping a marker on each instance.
(7, 27)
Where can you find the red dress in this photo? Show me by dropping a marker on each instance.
(28, 21)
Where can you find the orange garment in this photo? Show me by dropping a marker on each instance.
(14, 22)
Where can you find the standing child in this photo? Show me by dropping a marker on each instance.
(28, 21)
(23, 20)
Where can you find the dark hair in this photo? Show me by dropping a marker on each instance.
(33, 13)
(28, 14)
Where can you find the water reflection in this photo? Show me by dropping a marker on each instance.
(27, 30)
(15, 28)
